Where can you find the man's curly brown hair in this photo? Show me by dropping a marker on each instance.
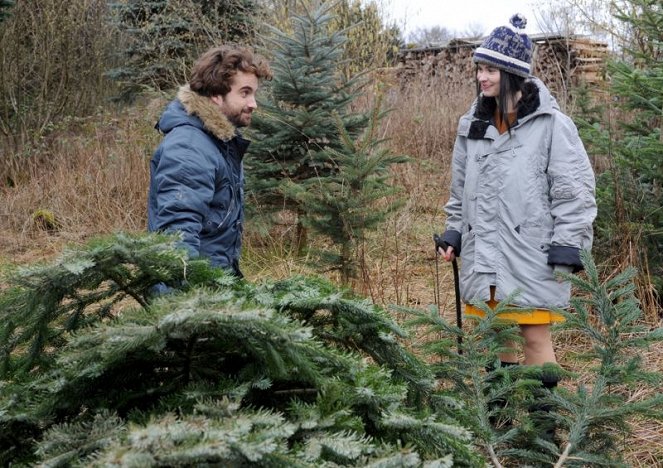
(214, 71)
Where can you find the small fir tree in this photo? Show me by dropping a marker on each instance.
(355, 199)
(586, 423)
(297, 126)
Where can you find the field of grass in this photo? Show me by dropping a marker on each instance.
(90, 177)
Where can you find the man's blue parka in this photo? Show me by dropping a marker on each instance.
(197, 180)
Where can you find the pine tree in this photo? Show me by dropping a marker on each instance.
(467, 361)
(346, 205)
(297, 127)
(629, 137)
(218, 372)
(164, 37)
(591, 419)
(596, 418)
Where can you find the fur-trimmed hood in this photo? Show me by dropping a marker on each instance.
(190, 108)
(536, 99)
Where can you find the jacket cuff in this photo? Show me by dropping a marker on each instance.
(453, 238)
(564, 255)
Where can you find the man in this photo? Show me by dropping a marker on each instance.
(196, 174)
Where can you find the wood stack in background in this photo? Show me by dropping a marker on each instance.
(562, 63)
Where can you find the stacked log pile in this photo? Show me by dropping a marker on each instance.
(561, 62)
(564, 63)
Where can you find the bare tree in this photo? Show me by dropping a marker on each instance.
(428, 36)
(474, 30)
(583, 17)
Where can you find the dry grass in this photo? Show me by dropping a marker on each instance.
(93, 176)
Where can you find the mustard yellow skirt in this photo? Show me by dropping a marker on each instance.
(531, 317)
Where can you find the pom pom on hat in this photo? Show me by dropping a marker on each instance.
(518, 21)
(507, 49)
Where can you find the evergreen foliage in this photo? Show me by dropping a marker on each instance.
(630, 192)
(595, 418)
(587, 422)
(344, 206)
(291, 373)
(297, 125)
(49, 302)
(164, 37)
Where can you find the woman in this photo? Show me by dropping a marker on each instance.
(522, 201)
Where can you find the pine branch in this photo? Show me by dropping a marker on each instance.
(70, 443)
(350, 323)
(482, 341)
(227, 373)
(83, 287)
(609, 315)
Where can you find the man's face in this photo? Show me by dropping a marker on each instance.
(240, 102)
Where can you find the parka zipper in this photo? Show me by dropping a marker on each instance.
(231, 208)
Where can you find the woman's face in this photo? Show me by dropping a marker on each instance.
(489, 80)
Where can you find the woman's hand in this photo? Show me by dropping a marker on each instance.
(449, 255)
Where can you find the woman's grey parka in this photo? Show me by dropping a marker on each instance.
(197, 180)
(521, 203)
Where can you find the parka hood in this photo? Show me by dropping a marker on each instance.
(536, 100)
(190, 108)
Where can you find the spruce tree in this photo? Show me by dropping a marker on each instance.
(97, 372)
(164, 37)
(627, 140)
(297, 126)
(592, 419)
(353, 200)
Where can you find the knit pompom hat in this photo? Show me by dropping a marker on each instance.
(507, 49)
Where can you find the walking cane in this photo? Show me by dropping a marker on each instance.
(459, 318)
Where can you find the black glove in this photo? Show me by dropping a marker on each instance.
(450, 238)
(440, 243)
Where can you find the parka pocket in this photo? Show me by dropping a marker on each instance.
(221, 213)
(537, 238)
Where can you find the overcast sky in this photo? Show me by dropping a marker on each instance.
(458, 15)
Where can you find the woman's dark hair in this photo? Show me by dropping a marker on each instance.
(510, 84)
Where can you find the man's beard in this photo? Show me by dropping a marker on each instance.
(240, 119)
